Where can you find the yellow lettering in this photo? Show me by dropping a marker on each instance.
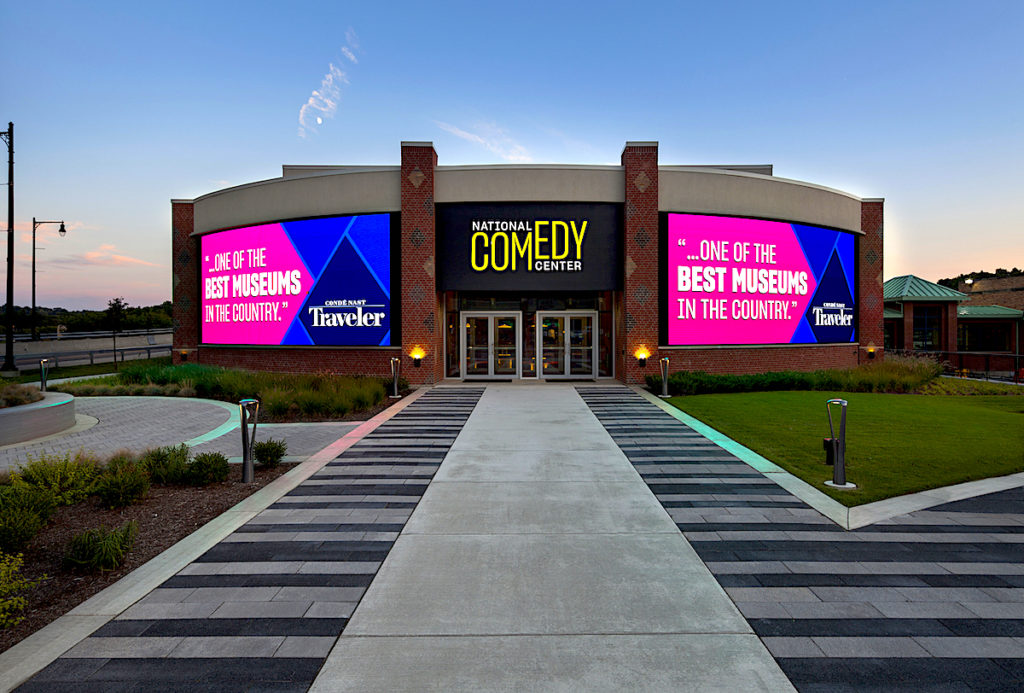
(538, 239)
(555, 235)
(521, 249)
(472, 246)
(494, 252)
(579, 238)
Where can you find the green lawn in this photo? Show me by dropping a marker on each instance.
(32, 376)
(896, 444)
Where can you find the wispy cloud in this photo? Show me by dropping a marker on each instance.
(323, 102)
(491, 137)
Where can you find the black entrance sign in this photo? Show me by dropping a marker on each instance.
(529, 247)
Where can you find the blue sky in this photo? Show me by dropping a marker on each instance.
(119, 107)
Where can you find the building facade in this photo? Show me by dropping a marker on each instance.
(527, 271)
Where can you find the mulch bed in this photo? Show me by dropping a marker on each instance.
(167, 515)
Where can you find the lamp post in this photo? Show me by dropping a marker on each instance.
(8, 366)
(61, 231)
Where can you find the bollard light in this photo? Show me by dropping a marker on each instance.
(835, 448)
(248, 410)
(417, 355)
(664, 378)
(396, 368)
(43, 367)
(642, 354)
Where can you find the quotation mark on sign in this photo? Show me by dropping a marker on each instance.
(794, 304)
(682, 241)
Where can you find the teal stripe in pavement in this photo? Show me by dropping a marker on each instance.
(231, 424)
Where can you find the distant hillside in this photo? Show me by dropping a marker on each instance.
(954, 282)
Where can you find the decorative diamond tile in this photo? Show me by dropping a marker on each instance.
(417, 177)
(630, 322)
(642, 181)
(417, 237)
(871, 257)
(428, 322)
(184, 258)
(630, 210)
(641, 295)
(630, 266)
(428, 266)
(642, 238)
(417, 294)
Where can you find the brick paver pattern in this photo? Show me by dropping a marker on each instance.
(262, 609)
(926, 601)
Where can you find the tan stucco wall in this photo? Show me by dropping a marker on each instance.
(529, 184)
(700, 191)
(357, 192)
(740, 194)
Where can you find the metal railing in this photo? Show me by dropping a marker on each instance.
(92, 356)
(92, 335)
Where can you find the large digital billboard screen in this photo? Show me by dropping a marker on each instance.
(751, 281)
(323, 282)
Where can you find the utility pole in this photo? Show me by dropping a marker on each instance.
(8, 366)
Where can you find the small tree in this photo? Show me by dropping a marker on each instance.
(116, 308)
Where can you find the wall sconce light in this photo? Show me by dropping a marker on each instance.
(183, 353)
(417, 355)
(871, 352)
(642, 354)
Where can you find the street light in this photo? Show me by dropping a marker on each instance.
(61, 231)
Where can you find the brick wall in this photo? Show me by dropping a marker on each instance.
(373, 362)
(184, 281)
(870, 307)
(758, 359)
(641, 256)
(422, 323)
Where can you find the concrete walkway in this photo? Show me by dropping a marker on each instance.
(539, 560)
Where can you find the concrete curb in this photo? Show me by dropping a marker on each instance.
(37, 651)
(846, 517)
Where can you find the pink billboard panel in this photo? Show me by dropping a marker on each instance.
(751, 281)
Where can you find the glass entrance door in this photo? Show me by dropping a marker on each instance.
(491, 345)
(568, 348)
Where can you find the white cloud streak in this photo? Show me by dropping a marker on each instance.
(492, 138)
(323, 102)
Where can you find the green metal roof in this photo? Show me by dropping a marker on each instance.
(911, 288)
(988, 312)
(891, 313)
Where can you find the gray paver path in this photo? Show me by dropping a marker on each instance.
(539, 560)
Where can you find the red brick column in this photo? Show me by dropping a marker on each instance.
(950, 323)
(870, 307)
(421, 321)
(184, 282)
(641, 258)
(908, 326)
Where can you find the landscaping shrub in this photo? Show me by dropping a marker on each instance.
(38, 500)
(68, 478)
(320, 395)
(167, 465)
(895, 374)
(17, 528)
(101, 548)
(270, 452)
(23, 512)
(13, 394)
(206, 468)
(13, 586)
(122, 484)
